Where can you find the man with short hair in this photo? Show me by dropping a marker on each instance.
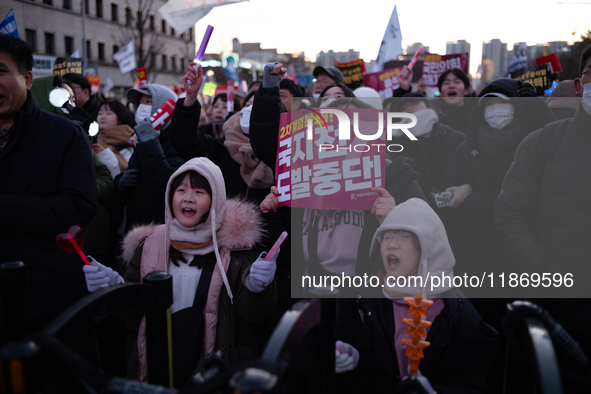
(324, 77)
(543, 214)
(47, 184)
(91, 103)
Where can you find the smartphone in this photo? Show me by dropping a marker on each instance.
(443, 199)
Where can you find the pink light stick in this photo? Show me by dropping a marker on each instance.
(414, 59)
(278, 243)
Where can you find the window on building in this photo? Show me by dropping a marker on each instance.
(182, 36)
(140, 17)
(31, 37)
(48, 2)
(50, 43)
(88, 49)
(114, 12)
(190, 33)
(163, 26)
(173, 63)
(128, 17)
(152, 23)
(172, 31)
(101, 51)
(115, 50)
(69, 45)
(164, 62)
(99, 8)
(67, 5)
(87, 5)
(182, 64)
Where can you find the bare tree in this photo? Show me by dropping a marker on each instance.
(139, 27)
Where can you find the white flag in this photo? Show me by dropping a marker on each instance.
(109, 84)
(126, 58)
(519, 60)
(183, 14)
(391, 46)
(76, 53)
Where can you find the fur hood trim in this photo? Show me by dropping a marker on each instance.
(242, 228)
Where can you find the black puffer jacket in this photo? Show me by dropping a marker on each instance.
(47, 184)
(190, 143)
(462, 347)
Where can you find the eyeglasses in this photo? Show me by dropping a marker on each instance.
(402, 237)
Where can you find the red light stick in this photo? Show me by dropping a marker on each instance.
(68, 242)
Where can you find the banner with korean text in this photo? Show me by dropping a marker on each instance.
(434, 65)
(384, 82)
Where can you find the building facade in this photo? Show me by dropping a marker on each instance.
(54, 28)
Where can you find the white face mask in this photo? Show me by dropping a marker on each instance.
(587, 97)
(143, 111)
(326, 102)
(245, 119)
(426, 118)
(499, 115)
(316, 95)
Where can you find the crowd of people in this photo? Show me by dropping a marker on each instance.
(198, 198)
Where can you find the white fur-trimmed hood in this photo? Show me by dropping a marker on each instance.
(242, 228)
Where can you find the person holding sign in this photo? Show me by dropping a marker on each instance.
(221, 286)
(411, 241)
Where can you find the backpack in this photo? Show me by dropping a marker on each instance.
(548, 143)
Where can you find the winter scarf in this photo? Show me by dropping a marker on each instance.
(114, 136)
(255, 173)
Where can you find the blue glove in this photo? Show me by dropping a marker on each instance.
(98, 276)
(145, 131)
(262, 273)
(270, 80)
(129, 179)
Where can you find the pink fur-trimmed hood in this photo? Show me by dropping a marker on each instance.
(242, 228)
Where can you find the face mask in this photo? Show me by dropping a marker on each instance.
(587, 97)
(316, 95)
(143, 111)
(245, 119)
(326, 102)
(426, 118)
(499, 115)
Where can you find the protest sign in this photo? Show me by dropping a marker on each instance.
(352, 72)
(126, 58)
(538, 77)
(327, 172)
(434, 65)
(43, 64)
(553, 62)
(383, 82)
(95, 83)
(67, 65)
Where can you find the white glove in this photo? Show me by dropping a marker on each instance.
(346, 357)
(262, 273)
(423, 381)
(98, 276)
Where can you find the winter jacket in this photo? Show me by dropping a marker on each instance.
(545, 224)
(157, 160)
(461, 348)
(47, 184)
(474, 233)
(41, 89)
(458, 118)
(98, 236)
(229, 326)
(432, 162)
(190, 142)
(93, 104)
